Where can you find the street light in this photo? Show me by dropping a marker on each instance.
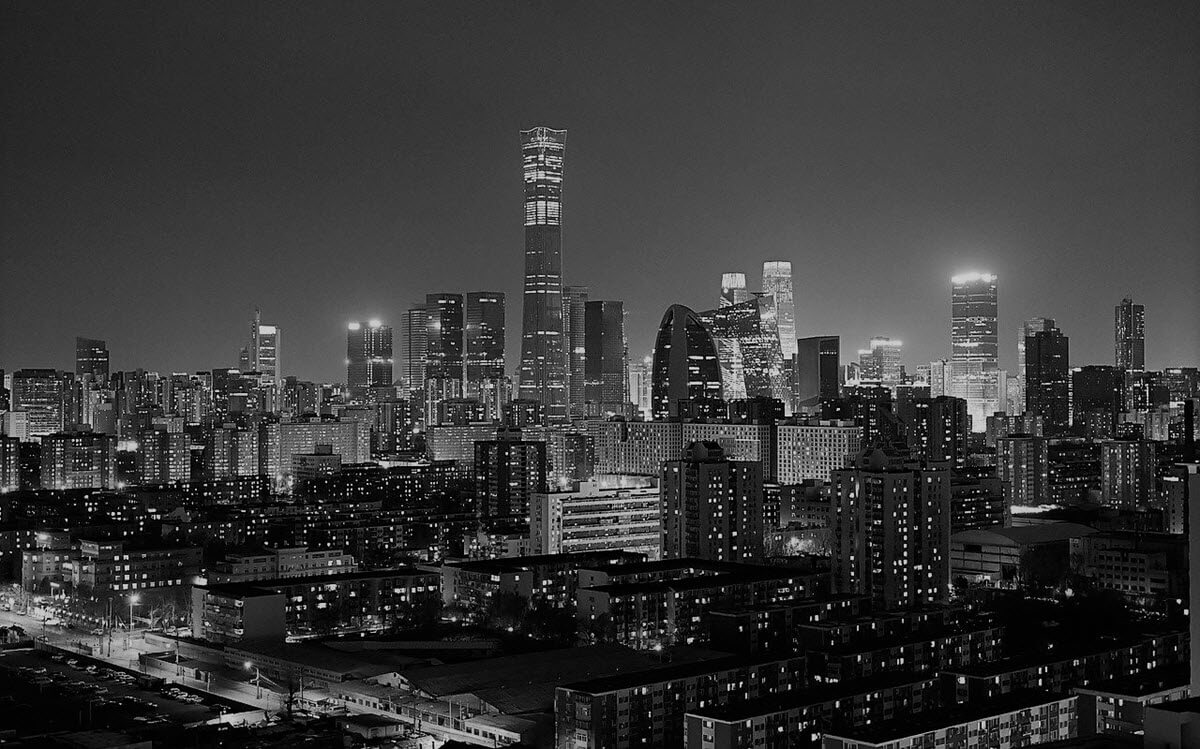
(257, 678)
(133, 601)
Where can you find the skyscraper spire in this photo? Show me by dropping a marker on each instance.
(543, 372)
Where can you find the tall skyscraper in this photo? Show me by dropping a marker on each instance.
(1048, 379)
(1028, 328)
(1130, 333)
(1097, 394)
(413, 347)
(748, 350)
(816, 370)
(974, 334)
(368, 356)
(574, 302)
(733, 289)
(91, 359)
(712, 506)
(543, 372)
(685, 373)
(444, 363)
(606, 369)
(881, 362)
(264, 349)
(484, 333)
(777, 281)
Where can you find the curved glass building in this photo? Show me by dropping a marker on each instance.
(685, 376)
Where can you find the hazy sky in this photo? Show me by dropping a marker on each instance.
(168, 166)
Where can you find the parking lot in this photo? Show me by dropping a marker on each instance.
(41, 692)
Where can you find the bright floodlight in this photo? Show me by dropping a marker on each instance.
(375, 323)
(248, 665)
(354, 326)
(972, 277)
(134, 598)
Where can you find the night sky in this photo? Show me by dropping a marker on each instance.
(168, 166)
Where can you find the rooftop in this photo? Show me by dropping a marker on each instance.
(915, 725)
(1023, 535)
(584, 559)
(673, 672)
(816, 695)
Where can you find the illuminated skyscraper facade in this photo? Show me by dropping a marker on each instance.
(264, 354)
(816, 370)
(444, 362)
(974, 334)
(368, 356)
(777, 281)
(733, 289)
(574, 301)
(1130, 333)
(1048, 379)
(685, 372)
(414, 344)
(543, 371)
(747, 342)
(881, 362)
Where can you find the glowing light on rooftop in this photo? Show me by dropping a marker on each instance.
(354, 326)
(972, 277)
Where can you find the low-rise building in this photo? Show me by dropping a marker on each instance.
(280, 562)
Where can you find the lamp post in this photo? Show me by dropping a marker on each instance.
(257, 678)
(133, 601)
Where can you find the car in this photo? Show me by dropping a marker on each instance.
(58, 658)
(38, 670)
(72, 662)
(91, 668)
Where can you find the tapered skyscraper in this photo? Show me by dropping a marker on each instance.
(543, 372)
(777, 281)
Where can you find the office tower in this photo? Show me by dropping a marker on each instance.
(816, 370)
(880, 362)
(733, 289)
(1048, 379)
(444, 363)
(543, 372)
(163, 457)
(777, 281)
(574, 305)
(711, 506)
(1130, 333)
(43, 394)
(484, 334)
(974, 335)
(1097, 398)
(1127, 472)
(891, 531)
(413, 329)
(606, 374)
(685, 372)
(640, 385)
(748, 350)
(936, 429)
(509, 470)
(91, 359)
(368, 356)
(981, 384)
(1023, 464)
(79, 460)
(1017, 402)
(264, 353)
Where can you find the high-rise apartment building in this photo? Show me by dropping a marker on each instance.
(79, 460)
(91, 359)
(10, 464)
(1048, 379)
(1129, 329)
(685, 373)
(163, 457)
(1097, 395)
(881, 362)
(777, 281)
(1023, 465)
(574, 313)
(509, 470)
(1017, 383)
(1127, 472)
(936, 429)
(368, 356)
(594, 516)
(815, 370)
(606, 368)
(815, 448)
(543, 372)
(712, 506)
(891, 531)
(974, 334)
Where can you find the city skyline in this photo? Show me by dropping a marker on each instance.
(1050, 184)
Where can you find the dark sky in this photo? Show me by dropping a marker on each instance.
(167, 166)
